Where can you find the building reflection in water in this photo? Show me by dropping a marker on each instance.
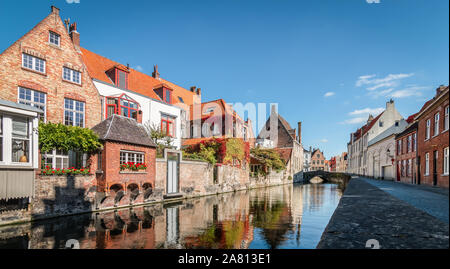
(260, 218)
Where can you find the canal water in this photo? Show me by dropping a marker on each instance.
(288, 216)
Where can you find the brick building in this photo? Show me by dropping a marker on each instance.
(44, 69)
(406, 153)
(318, 160)
(121, 148)
(433, 140)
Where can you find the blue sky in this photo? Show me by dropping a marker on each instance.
(287, 52)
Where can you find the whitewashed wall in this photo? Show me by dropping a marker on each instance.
(151, 109)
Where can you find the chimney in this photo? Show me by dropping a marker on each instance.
(300, 132)
(390, 104)
(439, 90)
(193, 88)
(199, 91)
(370, 118)
(74, 35)
(273, 110)
(55, 10)
(155, 73)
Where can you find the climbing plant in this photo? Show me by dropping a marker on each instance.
(269, 158)
(62, 137)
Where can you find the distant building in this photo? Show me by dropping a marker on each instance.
(318, 161)
(307, 159)
(359, 140)
(341, 163)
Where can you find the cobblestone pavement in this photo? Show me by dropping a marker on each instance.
(366, 212)
(432, 200)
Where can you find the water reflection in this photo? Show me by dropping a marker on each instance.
(277, 217)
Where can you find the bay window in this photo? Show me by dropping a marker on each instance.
(33, 63)
(122, 105)
(34, 99)
(73, 112)
(168, 125)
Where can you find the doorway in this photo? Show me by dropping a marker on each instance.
(435, 157)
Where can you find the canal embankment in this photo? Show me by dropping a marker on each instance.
(366, 212)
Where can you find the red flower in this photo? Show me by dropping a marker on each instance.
(53, 172)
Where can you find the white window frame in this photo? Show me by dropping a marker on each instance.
(445, 167)
(7, 137)
(446, 122)
(34, 63)
(58, 38)
(74, 111)
(54, 155)
(428, 130)
(436, 124)
(127, 156)
(409, 144)
(427, 164)
(32, 102)
(72, 73)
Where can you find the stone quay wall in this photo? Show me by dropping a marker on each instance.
(57, 196)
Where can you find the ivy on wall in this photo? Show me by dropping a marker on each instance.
(63, 137)
(269, 158)
(219, 150)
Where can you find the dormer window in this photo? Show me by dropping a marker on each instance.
(119, 76)
(122, 105)
(165, 94)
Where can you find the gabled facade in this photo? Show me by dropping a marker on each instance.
(318, 161)
(278, 134)
(44, 70)
(357, 147)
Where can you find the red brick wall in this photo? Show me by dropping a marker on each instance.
(316, 163)
(111, 165)
(435, 143)
(406, 155)
(36, 42)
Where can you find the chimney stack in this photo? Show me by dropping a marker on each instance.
(155, 73)
(439, 90)
(300, 132)
(199, 91)
(55, 10)
(390, 104)
(74, 35)
(193, 88)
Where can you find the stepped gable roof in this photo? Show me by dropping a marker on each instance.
(124, 130)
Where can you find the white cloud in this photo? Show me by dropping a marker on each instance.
(324, 140)
(139, 68)
(354, 120)
(373, 1)
(407, 92)
(329, 94)
(367, 111)
(388, 81)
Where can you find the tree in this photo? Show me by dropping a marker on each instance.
(161, 139)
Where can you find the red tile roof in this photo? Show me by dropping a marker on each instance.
(285, 153)
(137, 81)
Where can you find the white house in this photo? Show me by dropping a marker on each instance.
(150, 100)
(359, 140)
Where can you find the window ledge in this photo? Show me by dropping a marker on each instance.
(71, 82)
(34, 71)
(444, 131)
(132, 172)
(444, 175)
(54, 46)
